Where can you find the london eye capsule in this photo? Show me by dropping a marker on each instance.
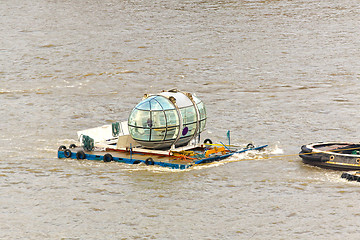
(169, 119)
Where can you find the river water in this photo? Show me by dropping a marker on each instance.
(275, 72)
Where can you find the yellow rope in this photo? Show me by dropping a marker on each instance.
(292, 155)
(216, 144)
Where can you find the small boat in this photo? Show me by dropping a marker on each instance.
(163, 129)
(333, 155)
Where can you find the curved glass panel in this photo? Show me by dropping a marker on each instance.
(144, 105)
(155, 105)
(158, 119)
(140, 118)
(165, 103)
(131, 120)
(189, 130)
(140, 133)
(172, 133)
(188, 114)
(202, 125)
(202, 110)
(158, 134)
(172, 118)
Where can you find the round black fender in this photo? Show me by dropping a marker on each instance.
(72, 146)
(62, 147)
(344, 175)
(108, 157)
(208, 140)
(67, 153)
(250, 145)
(149, 161)
(80, 155)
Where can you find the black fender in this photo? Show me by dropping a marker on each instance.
(250, 145)
(62, 147)
(67, 153)
(149, 161)
(80, 155)
(108, 157)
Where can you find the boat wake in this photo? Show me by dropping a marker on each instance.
(238, 157)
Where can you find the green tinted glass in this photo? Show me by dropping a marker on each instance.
(172, 118)
(158, 134)
(155, 105)
(172, 133)
(140, 118)
(158, 119)
(202, 110)
(140, 133)
(188, 114)
(165, 103)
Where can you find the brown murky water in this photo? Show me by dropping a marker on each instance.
(282, 73)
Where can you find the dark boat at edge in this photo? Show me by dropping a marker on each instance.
(333, 155)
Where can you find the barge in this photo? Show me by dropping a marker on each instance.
(333, 155)
(163, 129)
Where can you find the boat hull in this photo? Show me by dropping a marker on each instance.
(133, 157)
(333, 155)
